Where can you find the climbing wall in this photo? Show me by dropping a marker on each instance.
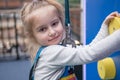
(96, 11)
(109, 68)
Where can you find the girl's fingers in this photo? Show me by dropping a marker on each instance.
(111, 16)
(119, 15)
(115, 14)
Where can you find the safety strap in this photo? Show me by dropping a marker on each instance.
(32, 71)
(67, 14)
(68, 39)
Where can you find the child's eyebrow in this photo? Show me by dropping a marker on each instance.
(55, 19)
(41, 26)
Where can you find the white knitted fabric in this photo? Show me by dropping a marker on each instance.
(54, 58)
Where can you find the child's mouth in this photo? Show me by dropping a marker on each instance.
(55, 38)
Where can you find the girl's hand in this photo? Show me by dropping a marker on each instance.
(103, 32)
(110, 17)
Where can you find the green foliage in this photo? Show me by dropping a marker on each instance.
(74, 1)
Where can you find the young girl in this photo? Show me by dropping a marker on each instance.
(45, 30)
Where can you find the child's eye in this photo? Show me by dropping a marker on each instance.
(43, 29)
(55, 23)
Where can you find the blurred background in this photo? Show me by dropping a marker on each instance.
(14, 60)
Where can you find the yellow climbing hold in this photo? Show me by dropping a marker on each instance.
(106, 68)
(114, 25)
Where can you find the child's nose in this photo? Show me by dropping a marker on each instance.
(52, 32)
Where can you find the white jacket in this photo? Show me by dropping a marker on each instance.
(54, 58)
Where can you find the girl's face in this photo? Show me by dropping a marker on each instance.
(47, 27)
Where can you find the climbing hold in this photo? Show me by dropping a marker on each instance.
(106, 68)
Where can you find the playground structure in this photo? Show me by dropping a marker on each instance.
(11, 33)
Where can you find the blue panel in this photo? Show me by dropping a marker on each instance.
(96, 11)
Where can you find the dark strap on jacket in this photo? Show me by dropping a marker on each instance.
(32, 71)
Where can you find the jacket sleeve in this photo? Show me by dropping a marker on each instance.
(103, 32)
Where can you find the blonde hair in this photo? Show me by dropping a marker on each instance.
(27, 9)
